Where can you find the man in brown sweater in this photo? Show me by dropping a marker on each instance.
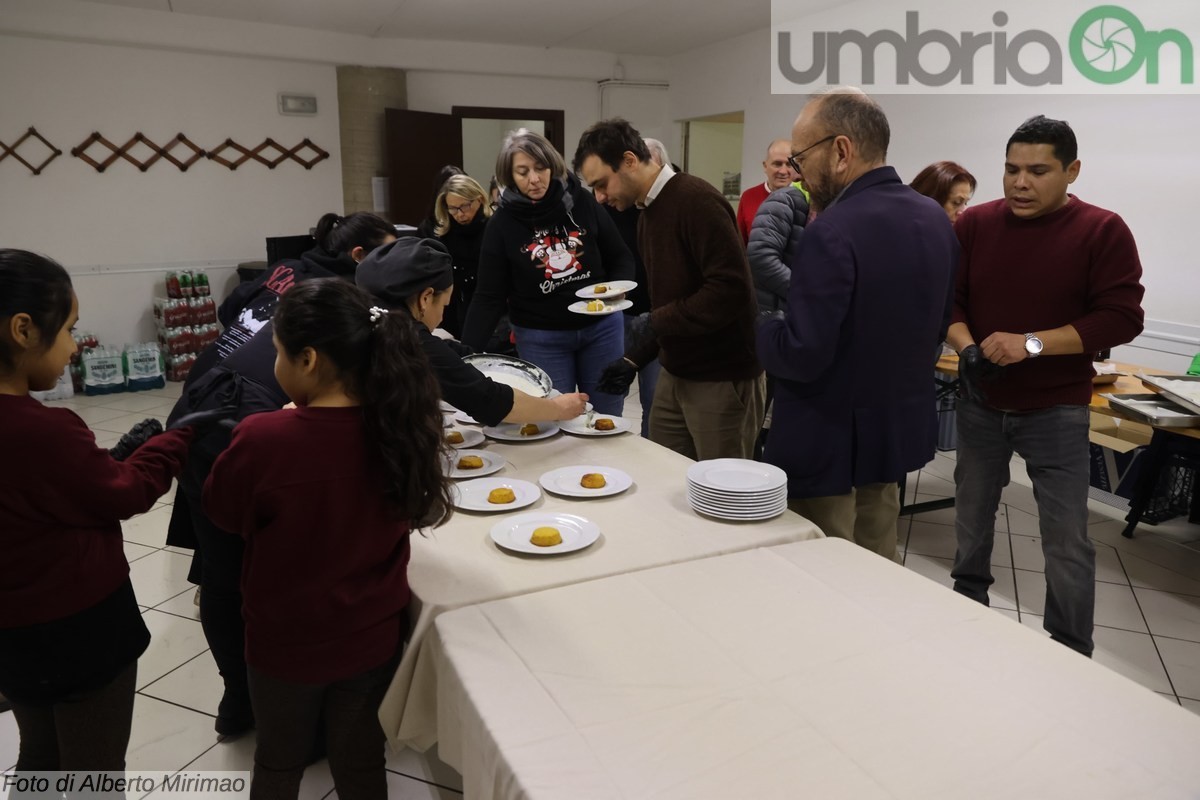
(710, 394)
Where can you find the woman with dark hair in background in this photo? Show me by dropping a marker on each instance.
(461, 211)
(947, 183)
(236, 374)
(549, 238)
(330, 491)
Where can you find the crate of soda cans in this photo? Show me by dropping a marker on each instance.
(186, 320)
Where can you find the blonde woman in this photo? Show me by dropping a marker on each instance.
(461, 211)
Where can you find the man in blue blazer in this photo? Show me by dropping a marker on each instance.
(870, 300)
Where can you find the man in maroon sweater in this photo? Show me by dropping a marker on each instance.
(710, 395)
(1046, 281)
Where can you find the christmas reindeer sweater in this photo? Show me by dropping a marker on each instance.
(536, 255)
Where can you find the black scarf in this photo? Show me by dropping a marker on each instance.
(544, 213)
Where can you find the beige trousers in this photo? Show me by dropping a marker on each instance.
(866, 516)
(707, 419)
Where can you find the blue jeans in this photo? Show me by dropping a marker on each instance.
(1054, 444)
(647, 378)
(576, 358)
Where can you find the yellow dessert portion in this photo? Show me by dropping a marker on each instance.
(601, 289)
(501, 495)
(546, 537)
(593, 480)
(470, 462)
(530, 430)
(595, 305)
(454, 437)
(605, 425)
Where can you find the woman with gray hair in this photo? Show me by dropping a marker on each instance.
(547, 239)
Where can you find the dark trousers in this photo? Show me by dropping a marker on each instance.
(220, 556)
(89, 732)
(288, 717)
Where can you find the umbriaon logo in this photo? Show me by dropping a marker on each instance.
(1107, 45)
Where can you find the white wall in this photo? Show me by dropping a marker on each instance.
(138, 224)
(481, 143)
(1138, 152)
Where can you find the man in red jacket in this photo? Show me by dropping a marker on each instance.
(1046, 281)
(779, 174)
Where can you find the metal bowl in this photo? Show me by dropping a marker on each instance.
(529, 378)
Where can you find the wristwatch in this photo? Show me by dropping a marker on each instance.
(1033, 345)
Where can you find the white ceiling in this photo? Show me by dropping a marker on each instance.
(636, 27)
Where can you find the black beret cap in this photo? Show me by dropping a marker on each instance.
(403, 268)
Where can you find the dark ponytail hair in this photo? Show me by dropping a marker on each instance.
(382, 365)
(336, 235)
(37, 286)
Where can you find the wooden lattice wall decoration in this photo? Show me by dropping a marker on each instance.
(11, 150)
(270, 153)
(157, 152)
(256, 154)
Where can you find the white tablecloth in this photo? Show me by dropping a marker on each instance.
(648, 525)
(808, 670)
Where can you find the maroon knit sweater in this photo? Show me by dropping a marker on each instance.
(325, 576)
(1078, 266)
(701, 294)
(62, 500)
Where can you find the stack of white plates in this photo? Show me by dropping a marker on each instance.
(737, 489)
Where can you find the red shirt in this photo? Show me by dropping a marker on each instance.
(748, 205)
(1076, 266)
(325, 575)
(62, 500)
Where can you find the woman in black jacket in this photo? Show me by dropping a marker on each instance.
(461, 212)
(548, 238)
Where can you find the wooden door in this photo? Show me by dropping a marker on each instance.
(418, 144)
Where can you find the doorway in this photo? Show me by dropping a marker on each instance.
(712, 151)
(419, 143)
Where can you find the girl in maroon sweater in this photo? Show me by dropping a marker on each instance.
(325, 495)
(70, 628)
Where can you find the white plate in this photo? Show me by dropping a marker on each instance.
(614, 288)
(737, 475)
(736, 511)
(447, 420)
(578, 425)
(464, 418)
(565, 481)
(609, 308)
(740, 517)
(446, 407)
(511, 431)
(514, 533)
(471, 437)
(492, 462)
(735, 497)
(473, 495)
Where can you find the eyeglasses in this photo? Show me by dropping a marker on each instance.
(792, 158)
(456, 210)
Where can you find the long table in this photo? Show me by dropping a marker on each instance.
(814, 669)
(649, 525)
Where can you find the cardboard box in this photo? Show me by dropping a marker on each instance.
(1116, 448)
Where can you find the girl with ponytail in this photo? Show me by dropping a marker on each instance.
(325, 496)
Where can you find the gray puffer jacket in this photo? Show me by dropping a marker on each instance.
(774, 241)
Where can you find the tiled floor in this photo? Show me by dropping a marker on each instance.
(1147, 612)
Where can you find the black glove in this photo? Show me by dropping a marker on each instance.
(973, 369)
(641, 333)
(138, 435)
(223, 417)
(617, 377)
